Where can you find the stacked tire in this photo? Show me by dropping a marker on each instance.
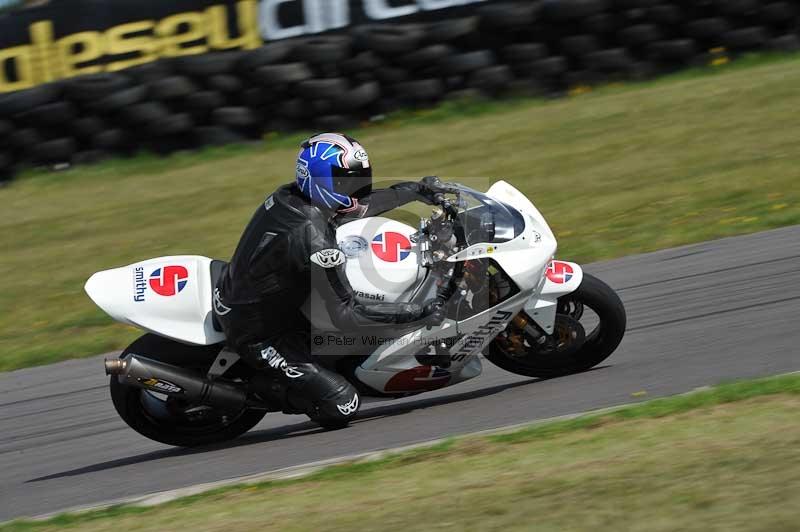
(336, 81)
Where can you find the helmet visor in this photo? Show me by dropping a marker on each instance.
(353, 182)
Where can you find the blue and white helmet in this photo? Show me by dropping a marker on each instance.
(333, 171)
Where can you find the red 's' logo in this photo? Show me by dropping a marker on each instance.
(559, 272)
(391, 246)
(169, 280)
(419, 379)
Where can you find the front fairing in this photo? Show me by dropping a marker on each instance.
(522, 246)
(523, 243)
(485, 220)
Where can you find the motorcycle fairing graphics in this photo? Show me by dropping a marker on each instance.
(559, 272)
(490, 255)
(391, 246)
(165, 281)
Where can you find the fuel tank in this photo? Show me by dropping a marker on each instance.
(382, 262)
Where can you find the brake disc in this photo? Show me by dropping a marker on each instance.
(567, 338)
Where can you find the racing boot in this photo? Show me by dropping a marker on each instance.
(272, 389)
(326, 397)
(304, 387)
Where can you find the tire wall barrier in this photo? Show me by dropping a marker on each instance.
(337, 79)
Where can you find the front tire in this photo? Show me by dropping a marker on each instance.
(596, 347)
(165, 420)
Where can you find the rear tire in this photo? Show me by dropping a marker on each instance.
(598, 346)
(132, 402)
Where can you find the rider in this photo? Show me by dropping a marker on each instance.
(289, 251)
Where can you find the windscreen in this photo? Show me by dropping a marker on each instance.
(486, 220)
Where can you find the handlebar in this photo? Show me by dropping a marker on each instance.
(450, 209)
(443, 228)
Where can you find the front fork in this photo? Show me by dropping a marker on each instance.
(518, 328)
(537, 321)
(560, 278)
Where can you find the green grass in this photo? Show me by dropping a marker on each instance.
(721, 459)
(620, 170)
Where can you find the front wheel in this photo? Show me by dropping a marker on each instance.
(171, 420)
(590, 323)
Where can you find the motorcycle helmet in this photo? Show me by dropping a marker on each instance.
(333, 171)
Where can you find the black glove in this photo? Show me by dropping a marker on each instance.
(431, 188)
(413, 191)
(434, 312)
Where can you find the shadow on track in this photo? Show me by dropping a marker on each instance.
(405, 408)
(288, 431)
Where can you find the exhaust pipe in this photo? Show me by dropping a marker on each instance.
(149, 374)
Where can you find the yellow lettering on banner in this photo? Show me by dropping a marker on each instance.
(246, 23)
(78, 48)
(247, 19)
(219, 37)
(119, 41)
(217, 24)
(42, 39)
(172, 39)
(22, 58)
(47, 59)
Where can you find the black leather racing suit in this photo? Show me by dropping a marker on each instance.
(288, 250)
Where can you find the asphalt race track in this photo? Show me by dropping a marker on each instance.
(697, 315)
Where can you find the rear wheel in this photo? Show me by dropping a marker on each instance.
(172, 420)
(589, 325)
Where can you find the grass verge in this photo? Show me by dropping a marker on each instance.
(617, 171)
(719, 459)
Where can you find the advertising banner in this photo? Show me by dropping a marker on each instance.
(66, 38)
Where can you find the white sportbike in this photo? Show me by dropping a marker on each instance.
(491, 255)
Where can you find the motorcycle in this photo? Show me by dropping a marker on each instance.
(489, 255)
